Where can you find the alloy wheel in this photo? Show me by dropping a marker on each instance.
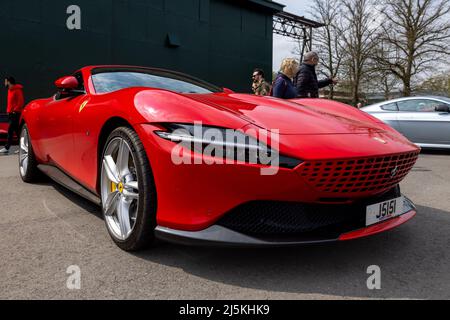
(24, 152)
(119, 188)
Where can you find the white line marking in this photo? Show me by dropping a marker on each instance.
(62, 220)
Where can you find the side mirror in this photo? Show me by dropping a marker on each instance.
(228, 91)
(67, 83)
(443, 108)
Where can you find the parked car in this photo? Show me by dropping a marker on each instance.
(109, 134)
(423, 120)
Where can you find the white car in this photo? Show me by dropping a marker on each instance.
(423, 120)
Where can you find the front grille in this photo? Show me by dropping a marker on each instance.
(279, 218)
(353, 176)
(272, 218)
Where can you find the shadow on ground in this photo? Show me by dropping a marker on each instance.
(414, 260)
(76, 199)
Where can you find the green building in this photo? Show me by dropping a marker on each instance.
(217, 40)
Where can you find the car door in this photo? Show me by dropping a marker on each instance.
(56, 120)
(421, 123)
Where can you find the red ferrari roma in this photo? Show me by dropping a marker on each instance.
(124, 137)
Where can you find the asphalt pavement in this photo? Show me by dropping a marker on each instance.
(45, 229)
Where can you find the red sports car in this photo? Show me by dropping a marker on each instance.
(145, 145)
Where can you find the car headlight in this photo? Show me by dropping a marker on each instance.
(225, 143)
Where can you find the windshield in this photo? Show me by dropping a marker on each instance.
(106, 81)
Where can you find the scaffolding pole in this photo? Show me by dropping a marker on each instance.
(297, 28)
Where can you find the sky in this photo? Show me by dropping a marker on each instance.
(282, 46)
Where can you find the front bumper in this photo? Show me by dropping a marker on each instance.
(218, 235)
(194, 197)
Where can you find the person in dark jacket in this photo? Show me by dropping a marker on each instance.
(306, 79)
(14, 109)
(283, 87)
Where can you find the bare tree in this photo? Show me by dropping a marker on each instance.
(357, 29)
(388, 84)
(416, 33)
(380, 78)
(328, 38)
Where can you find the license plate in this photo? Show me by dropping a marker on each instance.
(384, 211)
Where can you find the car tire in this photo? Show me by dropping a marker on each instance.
(141, 211)
(28, 165)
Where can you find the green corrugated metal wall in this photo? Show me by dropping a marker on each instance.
(220, 41)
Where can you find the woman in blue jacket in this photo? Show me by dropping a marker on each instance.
(283, 87)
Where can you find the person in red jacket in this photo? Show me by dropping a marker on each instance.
(14, 109)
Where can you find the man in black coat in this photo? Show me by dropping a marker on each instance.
(306, 79)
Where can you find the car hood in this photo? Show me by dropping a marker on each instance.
(296, 117)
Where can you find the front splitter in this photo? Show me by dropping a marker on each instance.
(223, 237)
